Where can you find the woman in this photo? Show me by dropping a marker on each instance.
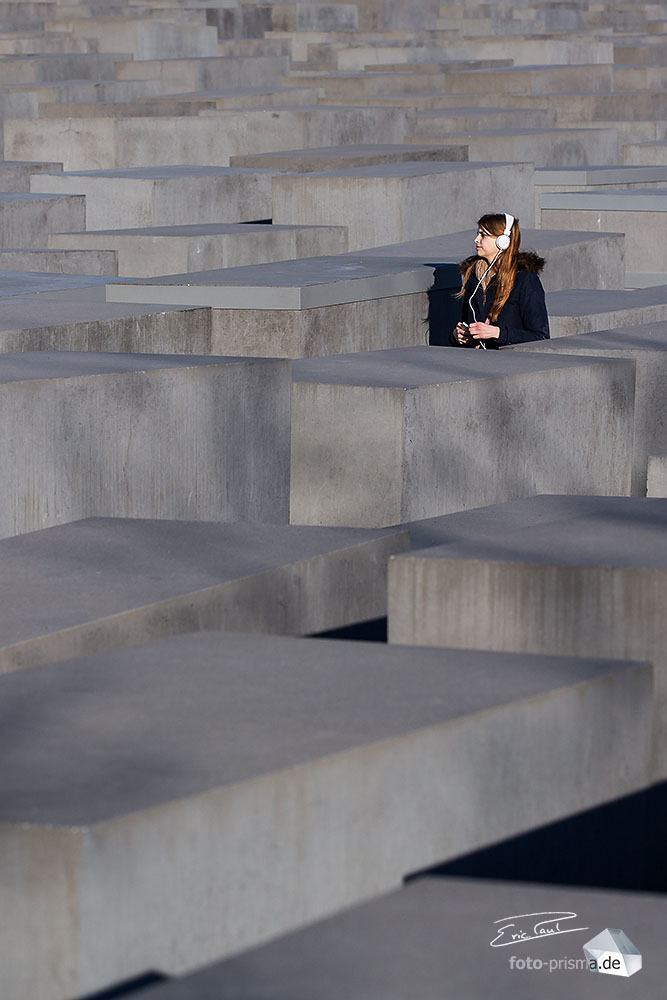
(503, 298)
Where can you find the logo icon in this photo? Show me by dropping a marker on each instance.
(612, 952)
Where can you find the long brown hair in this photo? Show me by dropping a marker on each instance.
(506, 264)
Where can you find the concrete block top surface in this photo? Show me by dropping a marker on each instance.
(24, 313)
(25, 196)
(456, 246)
(117, 732)
(29, 366)
(411, 367)
(633, 200)
(405, 170)
(351, 152)
(599, 175)
(52, 579)
(33, 282)
(615, 532)
(288, 284)
(198, 229)
(586, 302)
(646, 337)
(493, 522)
(158, 173)
(431, 940)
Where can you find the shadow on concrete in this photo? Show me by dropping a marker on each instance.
(616, 846)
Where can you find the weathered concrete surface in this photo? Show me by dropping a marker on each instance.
(573, 259)
(27, 219)
(15, 176)
(574, 107)
(554, 147)
(41, 323)
(647, 347)
(393, 436)
(142, 436)
(552, 180)
(534, 80)
(144, 38)
(164, 196)
(391, 203)
(76, 261)
(431, 939)
(58, 67)
(183, 74)
(640, 214)
(164, 578)
(110, 143)
(584, 311)
(589, 584)
(290, 284)
(307, 160)
(223, 756)
(645, 153)
(302, 308)
(159, 250)
(656, 479)
(474, 119)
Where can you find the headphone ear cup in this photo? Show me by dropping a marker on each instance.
(502, 241)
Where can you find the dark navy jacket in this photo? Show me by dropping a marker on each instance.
(524, 315)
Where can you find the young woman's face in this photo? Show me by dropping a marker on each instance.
(485, 245)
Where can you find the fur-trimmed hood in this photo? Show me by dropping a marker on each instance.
(526, 260)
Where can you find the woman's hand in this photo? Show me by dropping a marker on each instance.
(484, 331)
(461, 336)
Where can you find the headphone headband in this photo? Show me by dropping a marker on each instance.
(503, 241)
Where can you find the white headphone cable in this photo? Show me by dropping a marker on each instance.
(472, 308)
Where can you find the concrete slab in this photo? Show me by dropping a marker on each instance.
(656, 478)
(573, 259)
(52, 285)
(308, 160)
(536, 80)
(284, 285)
(555, 147)
(250, 97)
(647, 347)
(162, 196)
(15, 176)
(391, 203)
(550, 180)
(134, 832)
(145, 37)
(180, 74)
(93, 261)
(392, 436)
(27, 219)
(645, 153)
(142, 436)
(589, 584)
(616, 211)
(127, 581)
(395, 946)
(159, 250)
(371, 82)
(304, 308)
(87, 91)
(56, 67)
(39, 323)
(109, 143)
(472, 119)
(573, 107)
(583, 311)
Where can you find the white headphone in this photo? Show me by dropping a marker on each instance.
(503, 241)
